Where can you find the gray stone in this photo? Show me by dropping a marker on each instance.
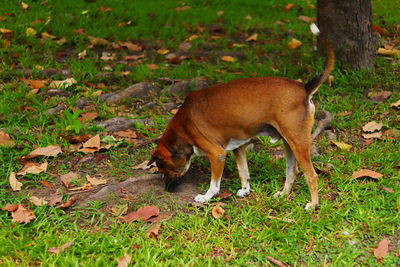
(57, 109)
(121, 123)
(184, 87)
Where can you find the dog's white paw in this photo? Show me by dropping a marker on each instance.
(201, 198)
(280, 194)
(243, 192)
(311, 206)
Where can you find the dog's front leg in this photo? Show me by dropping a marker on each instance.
(217, 167)
(241, 164)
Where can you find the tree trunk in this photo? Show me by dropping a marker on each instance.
(347, 24)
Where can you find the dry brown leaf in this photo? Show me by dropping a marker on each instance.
(10, 207)
(38, 201)
(92, 145)
(288, 7)
(95, 181)
(277, 262)
(131, 46)
(372, 135)
(14, 183)
(82, 55)
(228, 59)
(181, 8)
(5, 139)
(372, 126)
(294, 43)
(152, 66)
(60, 249)
(107, 56)
(307, 19)
(125, 134)
(53, 199)
(68, 203)
(48, 151)
(366, 173)
(342, 145)
(396, 104)
(379, 96)
(66, 178)
(22, 215)
(143, 214)
(253, 37)
(344, 113)
(153, 231)
(87, 117)
(87, 186)
(217, 212)
(382, 249)
(387, 189)
(389, 52)
(24, 5)
(36, 84)
(77, 138)
(33, 167)
(124, 260)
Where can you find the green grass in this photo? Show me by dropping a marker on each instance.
(354, 216)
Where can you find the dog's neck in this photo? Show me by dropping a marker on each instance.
(176, 143)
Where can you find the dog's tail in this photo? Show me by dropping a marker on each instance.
(312, 86)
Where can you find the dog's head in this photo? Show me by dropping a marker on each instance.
(172, 164)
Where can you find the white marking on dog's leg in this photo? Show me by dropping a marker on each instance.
(314, 29)
(241, 163)
(212, 191)
(291, 173)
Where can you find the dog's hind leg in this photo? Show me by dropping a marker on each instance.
(291, 172)
(241, 164)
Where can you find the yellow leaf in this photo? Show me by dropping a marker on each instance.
(163, 51)
(253, 37)
(84, 12)
(342, 145)
(31, 31)
(2, 30)
(191, 38)
(48, 35)
(24, 5)
(238, 45)
(228, 59)
(38, 67)
(389, 52)
(294, 43)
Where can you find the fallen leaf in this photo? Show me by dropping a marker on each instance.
(224, 194)
(47, 36)
(388, 52)
(181, 8)
(387, 189)
(48, 151)
(87, 186)
(252, 37)
(87, 117)
(366, 173)
(68, 203)
(294, 43)
(217, 212)
(228, 59)
(10, 207)
(153, 231)
(82, 55)
(77, 138)
(46, 184)
(124, 260)
(342, 145)
(60, 249)
(330, 79)
(107, 56)
(382, 249)
(131, 46)
(379, 96)
(307, 19)
(24, 5)
(145, 166)
(66, 178)
(344, 113)
(126, 133)
(92, 145)
(220, 13)
(22, 215)
(53, 199)
(95, 181)
(33, 167)
(5, 139)
(277, 262)
(163, 51)
(191, 38)
(396, 104)
(30, 31)
(152, 66)
(38, 201)
(36, 84)
(143, 214)
(14, 183)
(63, 83)
(280, 219)
(372, 126)
(288, 7)
(372, 135)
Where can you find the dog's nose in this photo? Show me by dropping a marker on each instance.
(171, 183)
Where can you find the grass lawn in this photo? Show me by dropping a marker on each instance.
(106, 46)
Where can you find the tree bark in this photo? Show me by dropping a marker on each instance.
(347, 24)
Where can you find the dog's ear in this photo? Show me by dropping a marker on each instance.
(151, 161)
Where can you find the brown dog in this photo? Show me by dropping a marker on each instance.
(225, 117)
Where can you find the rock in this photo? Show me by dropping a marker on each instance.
(110, 98)
(56, 92)
(82, 103)
(150, 105)
(169, 106)
(138, 90)
(184, 87)
(120, 123)
(57, 109)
